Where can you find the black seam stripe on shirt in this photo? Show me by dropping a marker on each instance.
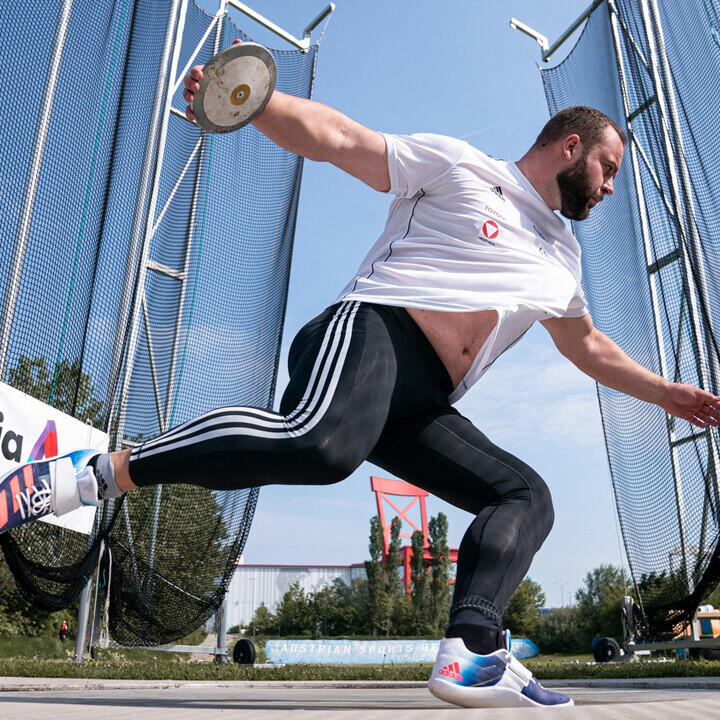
(514, 342)
(385, 259)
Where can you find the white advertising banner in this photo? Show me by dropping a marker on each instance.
(32, 430)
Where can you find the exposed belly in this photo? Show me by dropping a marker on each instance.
(456, 336)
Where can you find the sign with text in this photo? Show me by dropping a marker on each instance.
(32, 430)
(368, 652)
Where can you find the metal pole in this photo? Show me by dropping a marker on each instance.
(17, 261)
(685, 186)
(172, 381)
(83, 616)
(221, 621)
(649, 261)
(149, 223)
(684, 211)
(135, 245)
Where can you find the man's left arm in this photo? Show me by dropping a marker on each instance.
(598, 356)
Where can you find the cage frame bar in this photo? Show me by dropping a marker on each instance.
(32, 180)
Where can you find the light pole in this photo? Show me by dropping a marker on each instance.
(562, 594)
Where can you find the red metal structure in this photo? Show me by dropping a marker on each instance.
(384, 489)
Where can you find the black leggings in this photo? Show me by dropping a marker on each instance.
(366, 384)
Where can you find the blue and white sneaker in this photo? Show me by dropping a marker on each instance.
(55, 485)
(495, 680)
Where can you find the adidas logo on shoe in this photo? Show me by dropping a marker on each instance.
(451, 671)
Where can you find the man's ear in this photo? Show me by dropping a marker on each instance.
(571, 147)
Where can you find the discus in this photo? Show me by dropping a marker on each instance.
(236, 86)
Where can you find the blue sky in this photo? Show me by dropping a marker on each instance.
(454, 68)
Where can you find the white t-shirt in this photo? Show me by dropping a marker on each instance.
(468, 232)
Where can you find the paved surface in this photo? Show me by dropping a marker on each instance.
(140, 700)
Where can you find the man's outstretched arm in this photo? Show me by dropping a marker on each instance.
(317, 132)
(599, 357)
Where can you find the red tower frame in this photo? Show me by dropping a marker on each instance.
(383, 487)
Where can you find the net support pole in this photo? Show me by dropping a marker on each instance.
(649, 260)
(20, 243)
(710, 377)
(173, 381)
(221, 623)
(683, 204)
(82, 623)
(136, 246)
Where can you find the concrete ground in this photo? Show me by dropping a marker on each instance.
(21, 698)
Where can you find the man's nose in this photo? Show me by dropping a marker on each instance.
(607, 187)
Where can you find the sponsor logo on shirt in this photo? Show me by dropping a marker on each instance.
(498, 191)
(490, 230)
(493, 211)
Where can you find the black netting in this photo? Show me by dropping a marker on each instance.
(651, 281)
(137, 340)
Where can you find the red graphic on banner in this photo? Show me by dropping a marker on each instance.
(490, 229)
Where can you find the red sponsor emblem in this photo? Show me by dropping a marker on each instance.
(490, 229)
(451, 671)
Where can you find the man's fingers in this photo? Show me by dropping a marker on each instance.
(196, 73)
(237, 41)
(189, 114)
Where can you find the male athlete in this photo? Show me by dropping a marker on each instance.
(472, 254)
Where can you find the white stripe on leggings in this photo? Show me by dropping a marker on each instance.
(296, 423)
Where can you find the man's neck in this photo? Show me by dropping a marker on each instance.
(534, 168)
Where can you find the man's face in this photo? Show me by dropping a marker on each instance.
(590, 178)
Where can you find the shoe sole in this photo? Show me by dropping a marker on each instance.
(488, 697)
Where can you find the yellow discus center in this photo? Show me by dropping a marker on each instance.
(240, 94)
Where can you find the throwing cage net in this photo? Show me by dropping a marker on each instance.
(652, 280)
(147, 273)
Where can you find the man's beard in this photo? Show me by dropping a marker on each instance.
(575, 190)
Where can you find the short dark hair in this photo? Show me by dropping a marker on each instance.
(586, 122)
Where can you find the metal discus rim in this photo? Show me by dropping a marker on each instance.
(230, 87)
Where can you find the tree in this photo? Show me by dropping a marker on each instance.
(294, 613)
(421, 620)
(440, 573)
(334, 610)
(391, 616)
(375, 575)
(600, 604)
(560, 632)
(65, 387)
(263, 622)
(522, 614)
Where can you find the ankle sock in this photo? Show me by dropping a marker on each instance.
(477, 638)
(105, 476)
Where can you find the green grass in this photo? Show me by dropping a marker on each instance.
(48, 657)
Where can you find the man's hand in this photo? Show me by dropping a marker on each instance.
(690, 403)
(192, 85)
(600, 358)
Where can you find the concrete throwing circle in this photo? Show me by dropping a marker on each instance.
(236, 86)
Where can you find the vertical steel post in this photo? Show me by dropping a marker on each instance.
(684, 214)
(17, 261)
(137, 238)
(82, 622)
(649, 260)
(172, 381)
(221, 623)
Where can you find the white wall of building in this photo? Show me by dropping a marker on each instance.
(255, 584)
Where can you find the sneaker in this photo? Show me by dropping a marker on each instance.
(495, 680)
(56, 485)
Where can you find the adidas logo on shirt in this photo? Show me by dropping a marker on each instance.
(498, 191)
(451, 671)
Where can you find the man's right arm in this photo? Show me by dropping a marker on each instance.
(317, 132)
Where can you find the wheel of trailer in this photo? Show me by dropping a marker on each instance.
(244, 652)
(606, 650)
